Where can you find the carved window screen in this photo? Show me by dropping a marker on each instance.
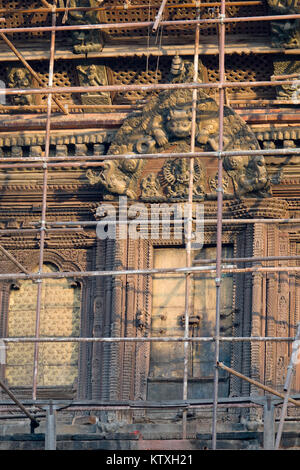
(60, 316)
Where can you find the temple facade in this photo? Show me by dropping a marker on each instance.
(130, 214)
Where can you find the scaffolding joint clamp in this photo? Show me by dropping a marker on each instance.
(222, 16)
(220, 190)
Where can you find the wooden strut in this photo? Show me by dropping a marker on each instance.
(257, 384)
(30, 69)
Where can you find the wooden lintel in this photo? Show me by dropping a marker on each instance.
(208, 46)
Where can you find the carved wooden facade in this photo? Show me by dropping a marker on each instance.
(254, 187)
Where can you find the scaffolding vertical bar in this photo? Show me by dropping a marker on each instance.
(50, 434)
(288, 385)
(269, 424)
(44, 206)
(189, 233)
(219, 219)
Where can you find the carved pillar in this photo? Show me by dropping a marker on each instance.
(98, 321)
(106, 347)
(117, 319)
(258, 306)
(247, 312)
(271, 307)
(129, 327)
(283, 314)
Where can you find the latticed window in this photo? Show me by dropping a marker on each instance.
(60, 316)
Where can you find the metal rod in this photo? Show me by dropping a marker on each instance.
(34, 423)
(148, 88)
(269, 424)
(288, 386)
(147, 272)
(211, 221)
(188, 237)
(257, 384)
(159, 16)
(137, 339)
(30, 69)
(44, 205)
(14, 260)
(68, 160)
(129, 7)
(146, 24)
(219, 221)
(50, 435)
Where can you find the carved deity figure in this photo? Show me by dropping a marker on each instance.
(85, 41)
(166, 122)
(93, 75)
(285, 33)
(20, 78)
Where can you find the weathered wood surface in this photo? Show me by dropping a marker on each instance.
(208, 45)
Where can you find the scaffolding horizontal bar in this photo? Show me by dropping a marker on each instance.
(147, 272)
(78, 161)
(148, 88)
(210, 221)
(147, 24)
(128, 7)
(177, 339)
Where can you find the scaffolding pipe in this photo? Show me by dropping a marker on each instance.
(218, 277)
(257, 384)
(159, 16)
(33, 422)
(153, 87)
(44, 205)
(30, 69)
(146, 24)
(154, 156)
(288, 386)
(188, 237)
(136, 339)
(14, 260)
(147, 272)
(128, 7)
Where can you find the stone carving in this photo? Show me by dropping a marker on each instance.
(19, 77)
(93, 75)
(166, 122)
(85, 41)
(285, 33)
(287, 67)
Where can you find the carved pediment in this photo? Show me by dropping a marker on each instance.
(164, 126)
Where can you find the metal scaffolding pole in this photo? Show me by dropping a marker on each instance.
(219, 220)
(220, 267)
(44, 207)
(188, 238)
